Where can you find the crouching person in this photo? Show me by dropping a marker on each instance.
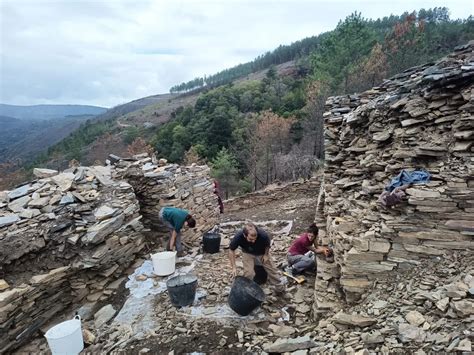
(297, 256)
(255, 245)
(174, 219)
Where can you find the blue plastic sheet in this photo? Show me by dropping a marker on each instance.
(409, 177)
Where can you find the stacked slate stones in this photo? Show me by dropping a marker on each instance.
(158, 184)
(67, 238)
(419, 119)
(64, 239)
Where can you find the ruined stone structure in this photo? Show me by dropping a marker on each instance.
(67, 238)
(187, 187)
(419, 119)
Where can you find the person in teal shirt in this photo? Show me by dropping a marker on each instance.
(174, 219)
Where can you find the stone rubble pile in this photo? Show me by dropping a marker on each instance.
(426, 309)
(420, 119)
(64, 239)
(158, 184)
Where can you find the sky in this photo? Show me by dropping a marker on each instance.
(109, 52)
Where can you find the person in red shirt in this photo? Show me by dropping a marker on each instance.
(308, 241)
(217, 192)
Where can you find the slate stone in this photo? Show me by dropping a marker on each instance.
(44, 173)
(97, 233)
(8, 219)
(105, 314)
(354, 320)
(284, 345)
(19, 192)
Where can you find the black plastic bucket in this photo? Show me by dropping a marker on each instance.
(245, 296)
(261, 275)
(182, 290)
(211, 243)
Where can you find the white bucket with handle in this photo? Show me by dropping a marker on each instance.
(66, 337)
(164, 263)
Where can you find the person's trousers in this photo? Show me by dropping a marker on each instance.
(300, 262)
(249, 260)
(179, 246)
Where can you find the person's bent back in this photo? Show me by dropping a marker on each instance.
(174, 219)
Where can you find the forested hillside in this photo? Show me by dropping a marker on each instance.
(254, 132)
(431, 32)
(269, 130)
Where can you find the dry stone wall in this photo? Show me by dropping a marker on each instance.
(64, 239)
(158, 184)
(420, 119)
(67, 238)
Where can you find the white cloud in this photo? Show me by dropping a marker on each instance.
(107, 52)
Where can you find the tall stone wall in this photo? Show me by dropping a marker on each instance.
(188, 187)
(420, 119)
(67, 238)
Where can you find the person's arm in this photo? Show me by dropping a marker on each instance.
(232, 262)
(234, 244)
(173, 239)
(321, 250)
(266, 255)
(318, 249)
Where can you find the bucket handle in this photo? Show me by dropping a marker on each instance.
(78, 317)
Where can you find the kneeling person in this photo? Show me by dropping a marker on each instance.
(306, 242)
(255, 245)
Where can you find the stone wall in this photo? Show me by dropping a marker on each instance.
(67, 238)
(420, 119)
(188, 187)
(64, 239)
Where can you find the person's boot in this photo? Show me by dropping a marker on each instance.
(180, 253)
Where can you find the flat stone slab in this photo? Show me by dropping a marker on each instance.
(19, 192)
(8, 219)
(461, 225)
(104, 212)
(284, 345)
(104, 314)
(44, 173)
(354, 320)
(97, 233)
(19, 204)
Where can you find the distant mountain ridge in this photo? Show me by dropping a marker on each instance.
(46, 112)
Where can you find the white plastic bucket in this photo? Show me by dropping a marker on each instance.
(164, 263)
(66, 337)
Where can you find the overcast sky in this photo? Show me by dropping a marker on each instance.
(108, 52)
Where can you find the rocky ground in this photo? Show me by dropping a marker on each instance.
(425, 308)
